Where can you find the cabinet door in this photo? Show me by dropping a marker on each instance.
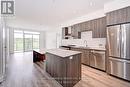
(63, 33)
(103, 27)
(128, 14)
(75, 31)
(87, 56)
(118, 16)
(99, 27)
(84, 56)
(86, 26)
(82, 27)
(121, 16)
(95, 24)
(89, 25)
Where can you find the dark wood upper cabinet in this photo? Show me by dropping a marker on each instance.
(128, 14)
(85, 26)
(95, 33)
(118, 16)
(99, 28)
(102, 28)
(75, 31)
(64, 32)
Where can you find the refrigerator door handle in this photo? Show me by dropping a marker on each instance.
(121, 60)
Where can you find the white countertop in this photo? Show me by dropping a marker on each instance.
(62, 53)
(92, 48)
(41, 51)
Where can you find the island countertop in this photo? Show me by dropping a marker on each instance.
(62, 53)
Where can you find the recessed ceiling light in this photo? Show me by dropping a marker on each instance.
(91, 3)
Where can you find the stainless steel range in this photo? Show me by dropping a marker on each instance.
(118, 38)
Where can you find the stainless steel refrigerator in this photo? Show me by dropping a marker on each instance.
(118, 41)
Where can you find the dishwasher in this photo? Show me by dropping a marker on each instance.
(97, 59)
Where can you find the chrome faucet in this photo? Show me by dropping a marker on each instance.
(85, 42)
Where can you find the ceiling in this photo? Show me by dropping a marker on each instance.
(52, 12)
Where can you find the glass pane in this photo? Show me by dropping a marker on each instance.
(18, 31)
(28, 42)
(35, 41)
(18, 42)
(30, 32)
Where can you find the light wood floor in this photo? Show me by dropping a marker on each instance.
(23, 73)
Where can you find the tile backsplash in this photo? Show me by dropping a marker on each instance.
(91, 42)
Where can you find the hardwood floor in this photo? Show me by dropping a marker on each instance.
(23, 73)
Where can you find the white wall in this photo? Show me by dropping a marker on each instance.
(51, 40)
(90, 16)
(42, 40)
(25, 24)
(116, 4)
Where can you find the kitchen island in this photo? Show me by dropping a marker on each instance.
(64, 66)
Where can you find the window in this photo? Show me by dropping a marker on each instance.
(25, 40)
(18, 41)
(28, 42)
(35, 41)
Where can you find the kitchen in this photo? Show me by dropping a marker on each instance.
(111, 54)
(88, 51)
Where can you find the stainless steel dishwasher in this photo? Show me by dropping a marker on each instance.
(97, 59)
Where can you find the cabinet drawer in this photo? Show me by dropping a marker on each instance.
(119, 68)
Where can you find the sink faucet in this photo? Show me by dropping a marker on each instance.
(85, 42)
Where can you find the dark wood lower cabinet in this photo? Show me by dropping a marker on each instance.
(84, 55)
(67, 71)
(37, 56)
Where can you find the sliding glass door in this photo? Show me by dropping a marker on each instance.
(25, 41)
(18, 41)
(28, 42)
(35, 41)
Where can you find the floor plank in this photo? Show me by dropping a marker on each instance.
(22, 72)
